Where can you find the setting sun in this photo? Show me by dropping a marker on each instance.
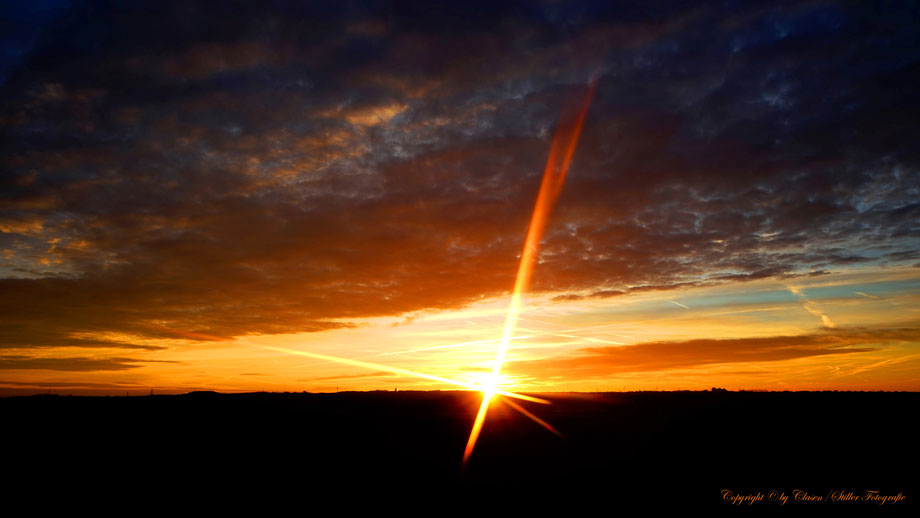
(582, 244)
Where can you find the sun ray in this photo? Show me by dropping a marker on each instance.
(557, 165)
(532, 417)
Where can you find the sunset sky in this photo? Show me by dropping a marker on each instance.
(192, 190)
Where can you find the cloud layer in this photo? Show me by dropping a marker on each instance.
(274, 167)
(599, 362)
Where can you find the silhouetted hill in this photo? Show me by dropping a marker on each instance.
(622, 449)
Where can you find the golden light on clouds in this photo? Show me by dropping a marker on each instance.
(360, 189)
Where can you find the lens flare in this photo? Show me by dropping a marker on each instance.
(557, 165)
(529, 415)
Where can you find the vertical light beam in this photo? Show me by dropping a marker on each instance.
(557, 165)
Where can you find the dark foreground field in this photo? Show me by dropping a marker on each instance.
(629, 450)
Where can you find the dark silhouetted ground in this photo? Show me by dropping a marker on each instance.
(650, 449)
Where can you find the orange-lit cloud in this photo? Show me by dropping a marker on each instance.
(651, 356)
(19, 362)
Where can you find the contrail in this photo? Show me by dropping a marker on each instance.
(494, 340)
(447, 346)
(590, 339)
(676, 303)
(811, 307)
(557, 165)
(488, 341)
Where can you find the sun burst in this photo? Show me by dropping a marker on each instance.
(557, 165)
(491, 385)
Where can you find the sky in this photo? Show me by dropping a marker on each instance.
(201, 195)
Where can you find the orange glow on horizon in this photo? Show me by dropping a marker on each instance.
(557, 165)
(396, 370)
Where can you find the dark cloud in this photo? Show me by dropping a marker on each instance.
(280, 167)
(18, 362)
(77, 384)
(598, 362)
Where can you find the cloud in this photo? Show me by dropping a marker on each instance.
(18, 362)
(76, 384)
(252, 170)
(655, 356)
(811, 307)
